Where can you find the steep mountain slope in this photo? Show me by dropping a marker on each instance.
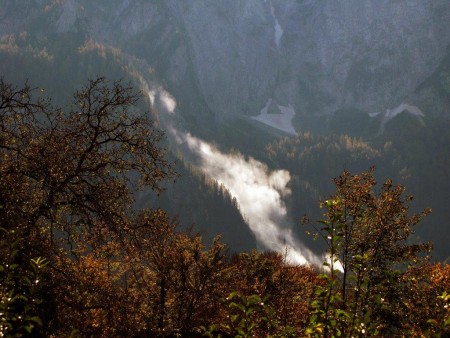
(240, 74)
(368, 55)
(318, 56)
(194, 201)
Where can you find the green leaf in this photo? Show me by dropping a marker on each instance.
(36, 319)
(447, 322)
(29, 328)
(326, 223)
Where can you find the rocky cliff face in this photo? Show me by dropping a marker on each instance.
(331, 54)
(318, 57)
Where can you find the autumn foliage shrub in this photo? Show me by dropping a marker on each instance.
(77, 259)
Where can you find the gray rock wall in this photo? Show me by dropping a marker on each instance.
(319, 56)
(367, 54)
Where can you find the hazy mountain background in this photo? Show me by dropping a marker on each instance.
(333, 85)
